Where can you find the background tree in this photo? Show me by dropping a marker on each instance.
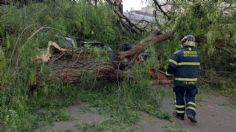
(213, 22)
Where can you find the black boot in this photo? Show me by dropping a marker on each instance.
(192, 118)
(179, 116)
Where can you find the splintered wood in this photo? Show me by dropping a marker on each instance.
(69, 65)
(158, 77)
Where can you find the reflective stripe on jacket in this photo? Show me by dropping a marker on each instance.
(184, 65)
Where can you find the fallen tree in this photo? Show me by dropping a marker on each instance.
(68, 65)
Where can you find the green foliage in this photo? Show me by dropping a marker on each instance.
(213, 23)
(214, 27)
(228, 87)
(24, 30)
(2, 62)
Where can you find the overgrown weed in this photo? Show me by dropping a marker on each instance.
(26, 29)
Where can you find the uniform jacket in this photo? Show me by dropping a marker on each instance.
(184, 66)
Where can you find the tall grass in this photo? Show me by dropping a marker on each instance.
(24, 30)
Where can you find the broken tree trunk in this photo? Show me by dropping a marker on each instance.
(70, 65)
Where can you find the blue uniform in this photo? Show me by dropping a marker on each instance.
(184, 66)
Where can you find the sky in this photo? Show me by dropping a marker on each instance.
(134, 4)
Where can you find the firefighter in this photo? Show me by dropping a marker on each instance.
(184, 66)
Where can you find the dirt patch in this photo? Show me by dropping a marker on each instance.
(79, 114)
(212, 115)
(151, 124)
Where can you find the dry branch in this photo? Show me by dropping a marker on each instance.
(126, 23)
(159, 7)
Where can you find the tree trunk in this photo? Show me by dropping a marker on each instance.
(69, 66)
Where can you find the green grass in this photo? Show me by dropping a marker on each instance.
(46, 116)
(122, 106)
(24, 30)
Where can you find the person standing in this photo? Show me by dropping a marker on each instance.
(184, 66)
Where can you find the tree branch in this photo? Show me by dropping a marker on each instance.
(159, 7)
(134, 28)
(153, 38)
